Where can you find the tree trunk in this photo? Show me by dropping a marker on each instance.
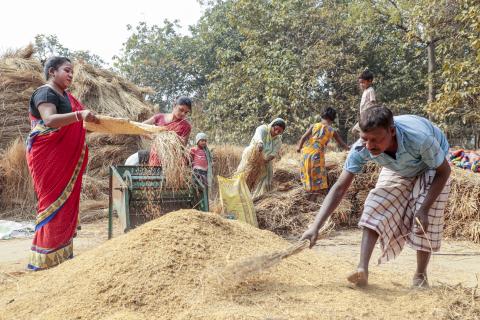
(431, 69)
(342, 129)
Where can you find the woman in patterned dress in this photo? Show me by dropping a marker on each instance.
(312, 145)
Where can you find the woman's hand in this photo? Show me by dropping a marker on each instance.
(89, 116)
(299, 149)
(148, 136)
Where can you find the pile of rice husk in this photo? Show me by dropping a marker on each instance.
(99, 90)
(168, 269)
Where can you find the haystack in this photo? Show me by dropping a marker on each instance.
(168, 269)
(20, 75)
(109, 94)
(287, 211)
(462, 215)
(225, 161)
(106, 150)
(99, 90)
(17, 198)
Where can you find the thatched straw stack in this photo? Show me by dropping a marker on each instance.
(287, 211)
(225, 161)
(17, 197)
(462, 215)
(109, 94)
(99, 90)
(20, 75)
(107, 150)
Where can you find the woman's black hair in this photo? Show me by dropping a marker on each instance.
(280, 123)
(184, 101)
(366, 75)
(329, 113)
(375, 117)
(54, 62)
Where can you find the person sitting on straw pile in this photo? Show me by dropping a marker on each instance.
(313, 173)
(57, 157)
(408, 201)
(266, 142)
(175, 121)
(201, 159)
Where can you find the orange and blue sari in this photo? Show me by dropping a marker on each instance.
(57, 158)
(314, 174)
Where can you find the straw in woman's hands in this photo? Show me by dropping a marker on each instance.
(174, 158)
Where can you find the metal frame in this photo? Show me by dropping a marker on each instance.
(122, 192)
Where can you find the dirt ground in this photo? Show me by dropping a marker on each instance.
(454, 265)
(14, 252)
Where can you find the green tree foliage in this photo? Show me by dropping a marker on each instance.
(49, 45)
(161, 58)
(249, 61)
(458, 102)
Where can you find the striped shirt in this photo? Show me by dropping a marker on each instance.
(199, 158)
(421, 146)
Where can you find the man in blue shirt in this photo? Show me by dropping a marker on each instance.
(408, 201)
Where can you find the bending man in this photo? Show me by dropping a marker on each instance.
(413, 186)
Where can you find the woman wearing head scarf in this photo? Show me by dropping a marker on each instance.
(268, 140)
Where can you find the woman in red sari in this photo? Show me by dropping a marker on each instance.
(175, 121)
(56, 156)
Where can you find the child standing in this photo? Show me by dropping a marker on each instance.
(365, 80)
(202, 164)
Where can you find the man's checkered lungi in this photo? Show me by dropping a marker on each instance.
(390, 208)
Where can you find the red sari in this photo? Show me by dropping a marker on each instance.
(57, 159)
(180, 126)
